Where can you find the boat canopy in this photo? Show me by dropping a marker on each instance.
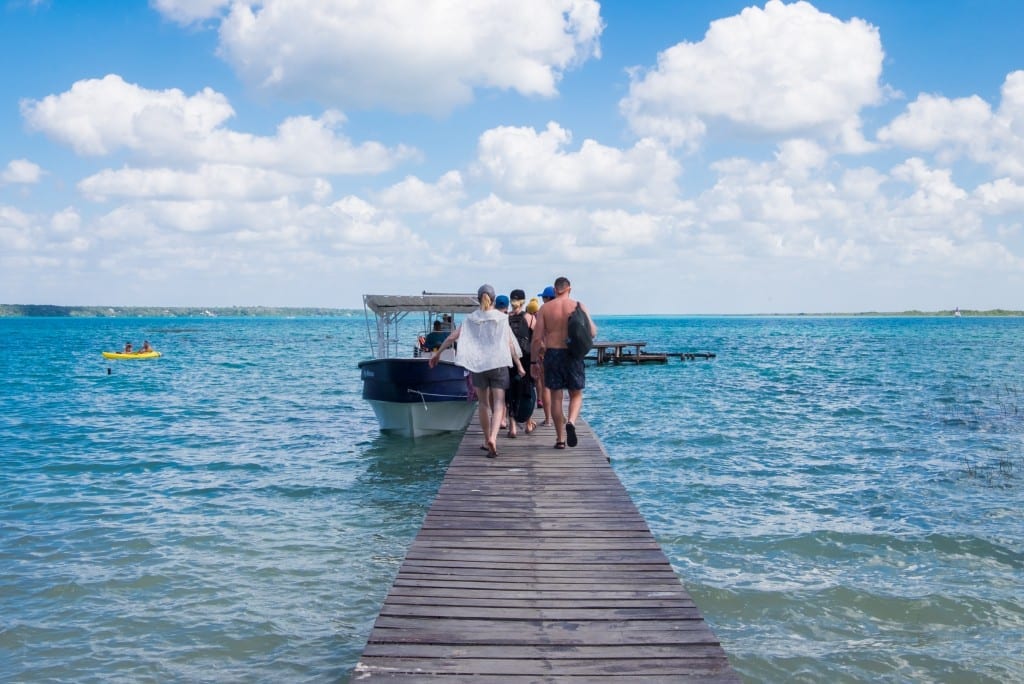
(390, 310)
(392, 304)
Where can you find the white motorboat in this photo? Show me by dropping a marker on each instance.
(408, 397)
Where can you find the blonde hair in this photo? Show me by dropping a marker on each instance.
(485, 302)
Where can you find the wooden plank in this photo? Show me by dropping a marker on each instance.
(396, 629)
(415, 650)
(638, 667)
(537, 566)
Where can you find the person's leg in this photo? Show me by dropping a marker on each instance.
(484, 404)
(510, 416)
(557, 415)
(498, 413)
(544, 397)
(530, 397)
(575, 405)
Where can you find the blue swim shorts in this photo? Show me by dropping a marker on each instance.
(562, 371)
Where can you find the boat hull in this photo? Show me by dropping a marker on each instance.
(410, 398)
(130, 356)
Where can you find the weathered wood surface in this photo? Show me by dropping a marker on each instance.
(537, 567)
(615, 352)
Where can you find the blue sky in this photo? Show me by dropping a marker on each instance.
(668, 157)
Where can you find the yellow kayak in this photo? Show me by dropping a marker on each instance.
(132, 355)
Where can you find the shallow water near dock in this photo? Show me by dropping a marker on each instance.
(842, 497)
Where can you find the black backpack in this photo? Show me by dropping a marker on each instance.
(522, 397)
(521, 329)
(580, 340)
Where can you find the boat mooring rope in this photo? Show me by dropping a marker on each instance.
(424, 395)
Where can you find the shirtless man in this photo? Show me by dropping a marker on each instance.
(561, 371)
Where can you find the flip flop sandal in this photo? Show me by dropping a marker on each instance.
(559, 445)
(570, 431)
(492, 451)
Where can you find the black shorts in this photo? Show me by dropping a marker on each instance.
(496, 378)
(562, 371)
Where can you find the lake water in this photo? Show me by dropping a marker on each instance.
(843, 497)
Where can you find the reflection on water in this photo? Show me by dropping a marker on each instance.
(393, 460)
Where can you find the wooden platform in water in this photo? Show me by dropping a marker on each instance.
(633, 352)
(537, 567)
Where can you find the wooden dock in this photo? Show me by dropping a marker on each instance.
(537, 567)
(633, 352)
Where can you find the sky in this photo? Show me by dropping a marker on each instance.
(668, 157)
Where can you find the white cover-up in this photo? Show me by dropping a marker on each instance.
(483, 343)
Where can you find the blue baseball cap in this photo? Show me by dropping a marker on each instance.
(501, 302)
(548, 292)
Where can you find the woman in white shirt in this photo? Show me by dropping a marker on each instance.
(486, 349)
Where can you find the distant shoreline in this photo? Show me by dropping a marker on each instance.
(56, 311)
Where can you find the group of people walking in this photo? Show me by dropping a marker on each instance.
(493, 345)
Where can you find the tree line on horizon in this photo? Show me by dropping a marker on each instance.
(58, 311)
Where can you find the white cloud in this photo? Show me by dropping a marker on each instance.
(932, 121)
(55, 238)
(99, 116)
(209, 181)
(862, 184)
(16, 229)
(798, 158)
(749, 192)
(528, 225)
(935, 193)
(277, 226)
(420, 56)
(532, 166)
(764, 214)
(1001, 196)
(547, 238)
(415, 196)
(21, 171)
(966, 127)
(66, 222)
(190, 11)
(781, 70)
(628, 232)
(354, 221)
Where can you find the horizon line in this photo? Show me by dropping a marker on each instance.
(98, 310)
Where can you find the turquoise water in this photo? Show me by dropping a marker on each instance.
(842, 496)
